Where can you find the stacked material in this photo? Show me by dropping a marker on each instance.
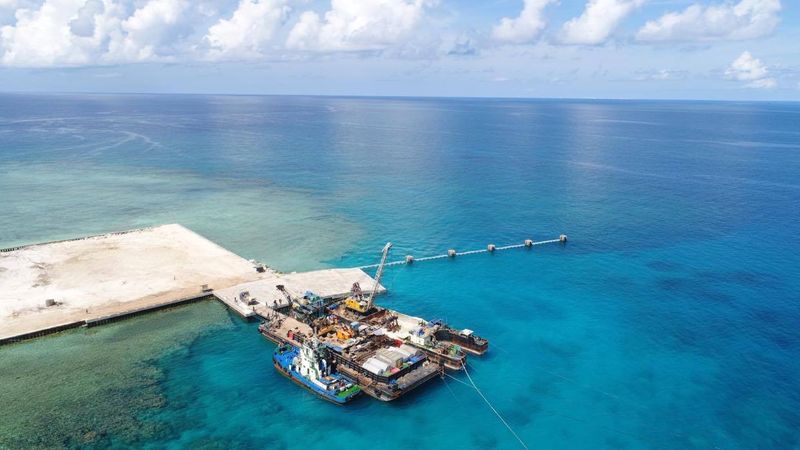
(376, 366)
(408, 351)
(390, 359)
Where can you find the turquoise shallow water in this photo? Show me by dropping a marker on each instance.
(670, 319)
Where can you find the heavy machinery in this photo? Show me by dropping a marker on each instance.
(282, 289)
(308, 307)
(356, 302)
(343, 333)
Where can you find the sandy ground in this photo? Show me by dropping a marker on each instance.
(107, 274)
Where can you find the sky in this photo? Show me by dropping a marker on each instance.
(653, 49)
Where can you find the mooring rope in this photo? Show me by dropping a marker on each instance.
(521, 442)
(610, 395)
(459, 381)
(470, 252)
(451, 390)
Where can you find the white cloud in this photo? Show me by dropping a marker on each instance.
(599, 19)
(660, 75)
(147, 30)
(750, 69)
(42, 37)
(249, 29)
(525, 27)
(354, 25)
(744, 20)
(84, 24)
(85, 32)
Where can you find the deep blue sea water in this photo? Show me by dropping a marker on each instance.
(670, 319)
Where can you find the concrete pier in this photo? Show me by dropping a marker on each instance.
(328, 284)
(50, 287)
(58, 285)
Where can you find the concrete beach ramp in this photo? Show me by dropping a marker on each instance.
(59, 284)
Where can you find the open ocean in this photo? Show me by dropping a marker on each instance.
(671, 319)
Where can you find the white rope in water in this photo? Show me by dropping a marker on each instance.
(470, 252)
(521, 442)
(610, 395)
(459, 381)
(451, 390)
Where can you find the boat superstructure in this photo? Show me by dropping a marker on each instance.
(311, 366)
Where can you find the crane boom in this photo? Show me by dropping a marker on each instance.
(378, 275)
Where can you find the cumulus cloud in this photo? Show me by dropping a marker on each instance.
(41, 37)
(147, 30)
(744, 20)
(751, 70)
(599, 19)
(80, 32)
(249, 30)
(356, 25)
(525, 27)
(84, 24)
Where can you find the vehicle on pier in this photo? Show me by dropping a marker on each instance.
(312, 367)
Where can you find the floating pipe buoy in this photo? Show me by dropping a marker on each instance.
(528, 243)
(451, 253)
(491, 248)
(562, 238)
(409, 259)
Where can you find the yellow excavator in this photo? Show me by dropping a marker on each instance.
(356, 301)
(343, 333)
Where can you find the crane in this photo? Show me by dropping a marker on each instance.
(356, 300)
(282, 289)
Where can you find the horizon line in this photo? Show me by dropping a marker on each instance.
(396, 96)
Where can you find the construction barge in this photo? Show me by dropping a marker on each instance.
(386, 353)
(384, 366)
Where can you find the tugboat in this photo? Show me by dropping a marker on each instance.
(311, 367)
(466, 339)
